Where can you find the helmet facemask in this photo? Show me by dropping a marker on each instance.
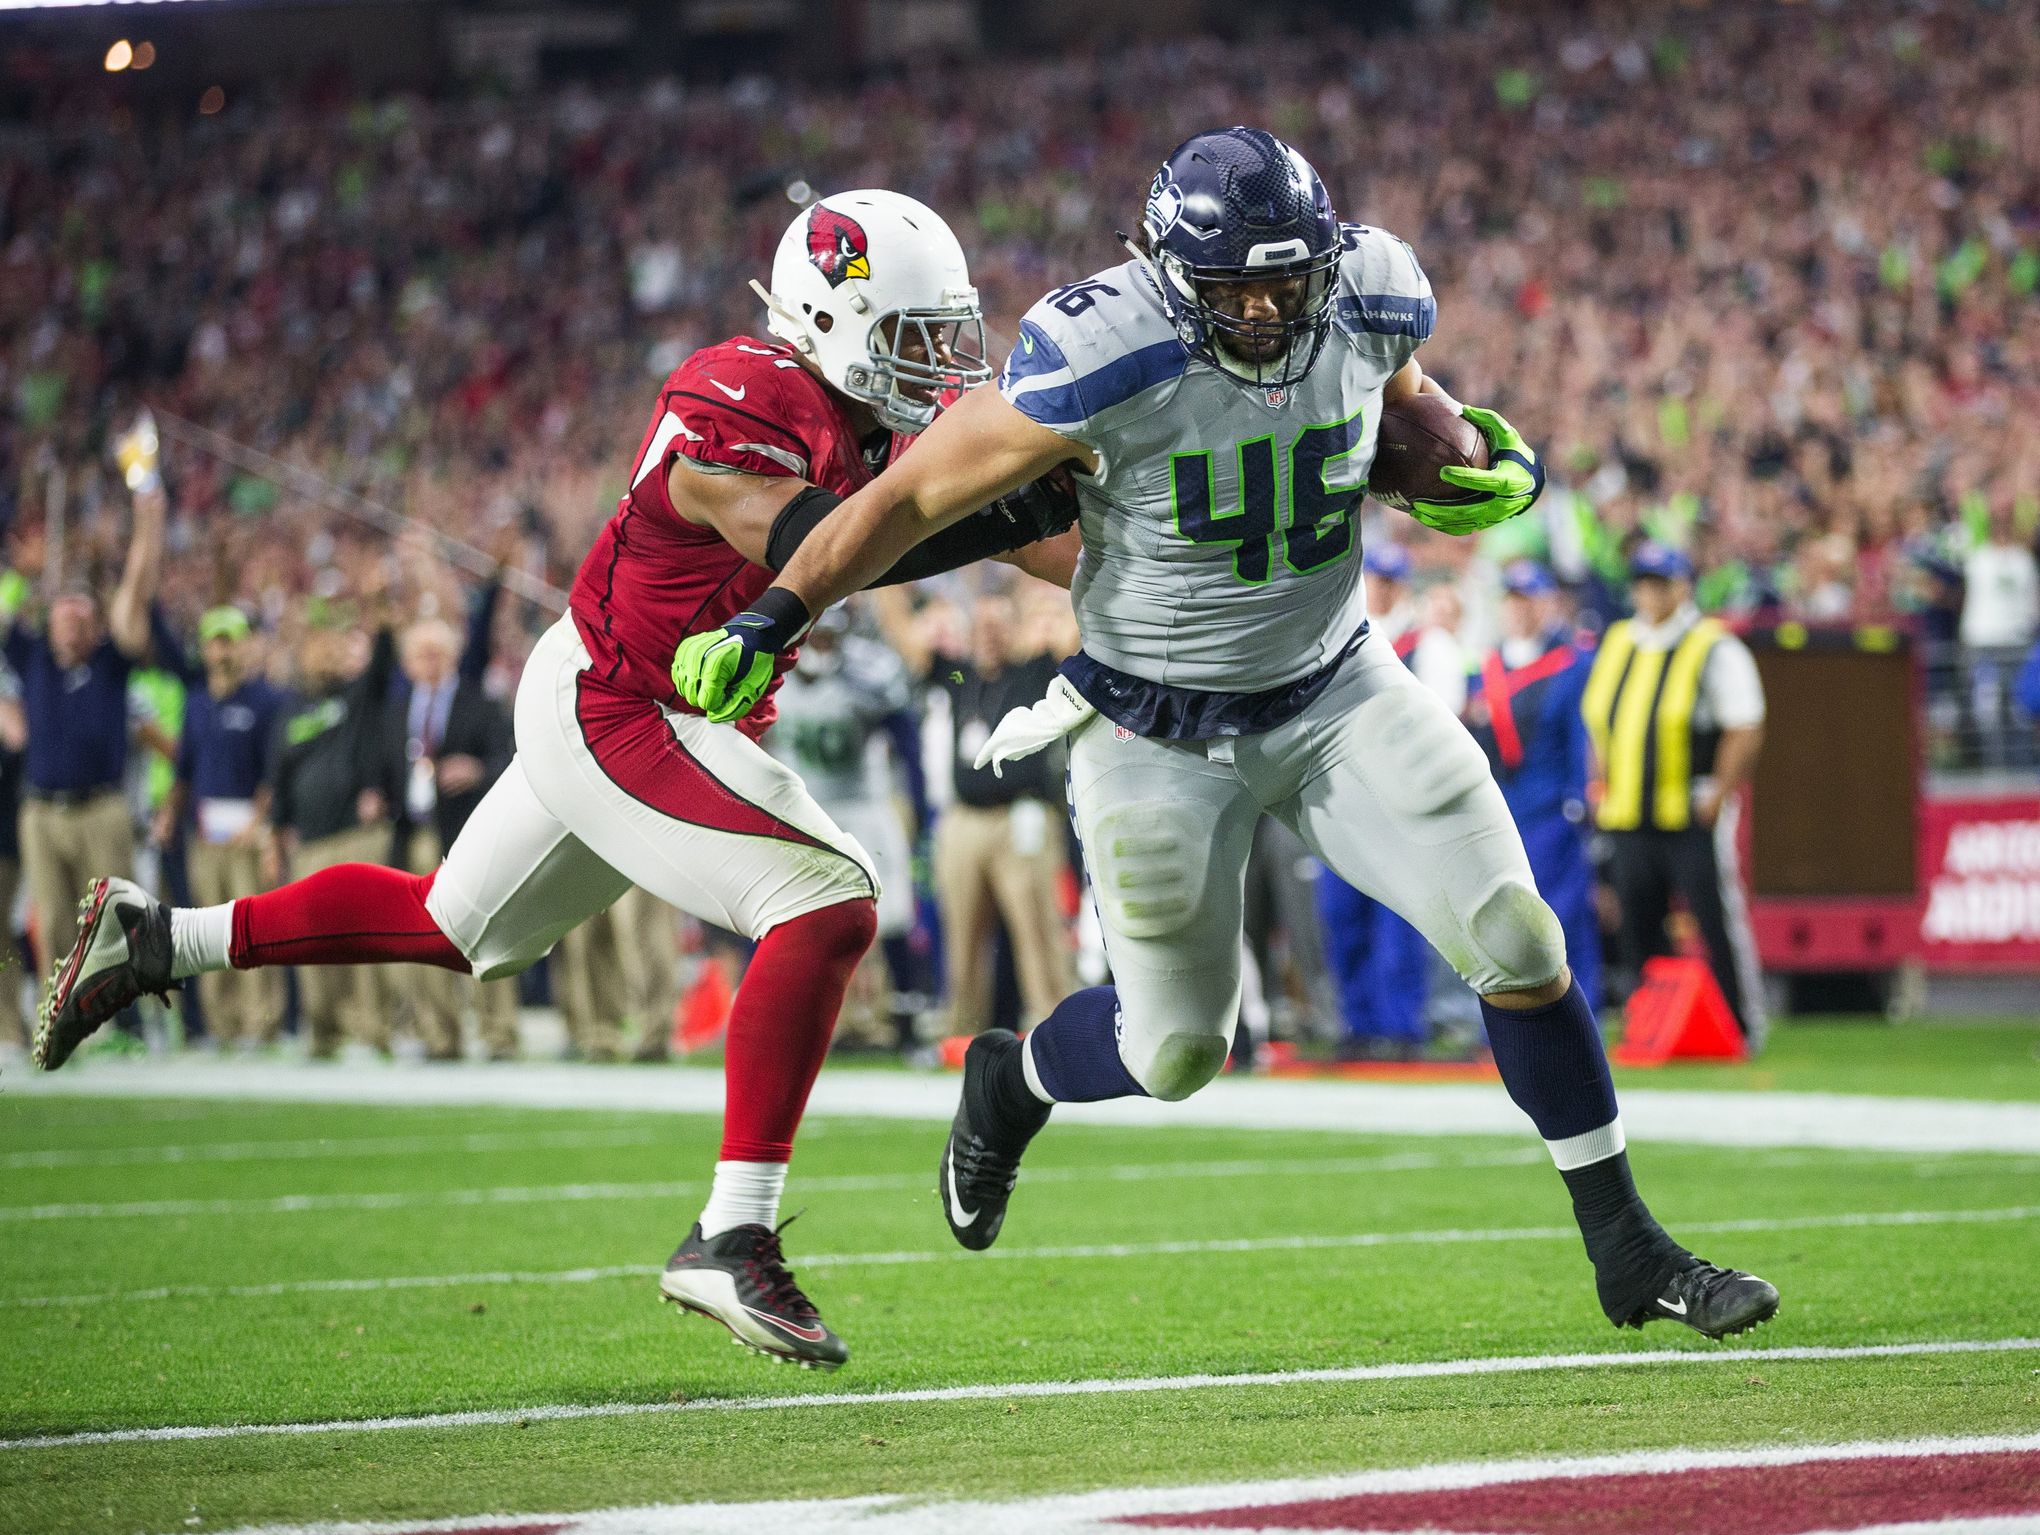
(1267, 354)
(917, 360)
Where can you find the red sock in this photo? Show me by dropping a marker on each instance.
(780, 1026)
(350, 914)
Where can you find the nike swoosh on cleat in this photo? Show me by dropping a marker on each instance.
(811, 1334)
(957, 1212)
(735, 394)
(1678, 1310)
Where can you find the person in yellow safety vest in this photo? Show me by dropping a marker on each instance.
(1676, 712)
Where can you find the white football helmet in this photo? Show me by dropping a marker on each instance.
(874, 288)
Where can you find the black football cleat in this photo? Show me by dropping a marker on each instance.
(740, 1278)
(981, 1159)
(122, 953)
(1714, 1302)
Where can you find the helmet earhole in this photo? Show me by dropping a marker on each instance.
(824, 321)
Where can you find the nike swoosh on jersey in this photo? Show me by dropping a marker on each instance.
(957, 1213)
(735, 394)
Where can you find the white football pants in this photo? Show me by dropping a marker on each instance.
(1376, 777)
(610, 790)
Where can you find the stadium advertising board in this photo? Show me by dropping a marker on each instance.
(1980, 874)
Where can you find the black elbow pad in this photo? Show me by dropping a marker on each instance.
(1038, 510)
(798, 518)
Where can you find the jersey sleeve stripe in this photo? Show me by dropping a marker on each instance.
(1056, 402)
(793, 463)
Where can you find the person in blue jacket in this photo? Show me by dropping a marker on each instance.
(1379, 963)
(1524, 708)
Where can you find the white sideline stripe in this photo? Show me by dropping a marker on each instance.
(1135, 1172)
(1729, 1118)
(1187, 1247)
(328, 1146)
(1100, 1513)
(1416, 1370)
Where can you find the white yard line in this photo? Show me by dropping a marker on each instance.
(334, 1147)
(570, 1193)
(1416, 1370)
(1245, 1103)
(917, 1256)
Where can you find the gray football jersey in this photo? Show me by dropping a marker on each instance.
(1219, 538)
(830, 717)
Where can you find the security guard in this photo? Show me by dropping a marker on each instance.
(1524, 709)
(1676, 712)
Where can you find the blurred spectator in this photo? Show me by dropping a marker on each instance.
(1676, 711)
(225, 761)
(588, 984)
(1524, 710)
(649, 957)
(13, 735)
(445, 742)
(74, 676)
(841, 709)
(1000, 842)
(2002, 610)
(1380, 964)
(328, 805)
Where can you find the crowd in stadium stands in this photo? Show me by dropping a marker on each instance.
(1762, 283)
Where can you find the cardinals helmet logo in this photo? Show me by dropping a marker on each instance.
(837, 245)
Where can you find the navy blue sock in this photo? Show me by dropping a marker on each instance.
(1076, 1050)
(1556, 1071)
(1553, 1065)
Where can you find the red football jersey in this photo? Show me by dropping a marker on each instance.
(652, 578)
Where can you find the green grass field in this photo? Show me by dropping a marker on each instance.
(1347, 1250)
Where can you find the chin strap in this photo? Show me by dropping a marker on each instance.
(802, 341)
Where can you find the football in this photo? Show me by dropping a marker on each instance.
(1420, 436)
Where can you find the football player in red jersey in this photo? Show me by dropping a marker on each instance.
(616, 782)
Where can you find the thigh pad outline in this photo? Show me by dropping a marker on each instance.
(1415, 756)
(1150, 860)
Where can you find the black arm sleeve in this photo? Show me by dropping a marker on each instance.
(1033, 512)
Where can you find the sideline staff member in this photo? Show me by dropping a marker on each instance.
(1676, 711)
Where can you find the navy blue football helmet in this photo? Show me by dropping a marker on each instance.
(1234, 208)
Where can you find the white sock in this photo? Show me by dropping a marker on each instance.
(199, 936)
(744, 1194)
(1027, 1069)
(1585, 1150)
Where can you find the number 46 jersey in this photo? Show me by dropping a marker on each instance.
(1219, 546)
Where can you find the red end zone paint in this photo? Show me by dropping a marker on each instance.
(1730, 1500)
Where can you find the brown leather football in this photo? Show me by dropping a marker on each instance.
(1419, 436)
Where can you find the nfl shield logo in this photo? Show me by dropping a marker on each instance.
(1276, 397)
(1122, 733)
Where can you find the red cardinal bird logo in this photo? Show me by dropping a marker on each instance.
(837, 245)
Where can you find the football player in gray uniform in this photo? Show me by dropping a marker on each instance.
(1219, 396)
(842, 709)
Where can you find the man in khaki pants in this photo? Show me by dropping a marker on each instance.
(221, 795)
(13, 735)
(74, 676)
(999, 846)
(618, 965)
(329, 804)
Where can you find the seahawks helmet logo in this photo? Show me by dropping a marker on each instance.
(837, 245)
(1164, 206)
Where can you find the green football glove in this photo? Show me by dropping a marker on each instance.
(1508, 487)
(724, 672)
